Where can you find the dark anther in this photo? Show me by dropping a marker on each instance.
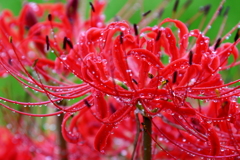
(175, 5)
(112, 108)
(117, 18)
(92, 7)
(121, 37)
(35, 62)
(146, 13)
(30, 19)
(10, 39)
(186, 4)
(217, 43)
(71, 9)
(226, 11)
(150, 75)
(158, 35)
(87, 103)
(174, 80)
(134, 81)
(10, 61)
(237, 35)
(135, 29)
(160, 13)
(144, 126)
(47, 42)
(206, 9)
(66, 41)
(190, 57)
(49, 17)
(220, 11)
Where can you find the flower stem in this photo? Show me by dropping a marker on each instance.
(147, 140)
(61, 141)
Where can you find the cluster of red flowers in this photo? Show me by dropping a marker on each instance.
(125, 80)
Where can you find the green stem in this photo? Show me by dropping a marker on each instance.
(147, 140)
(63, 151)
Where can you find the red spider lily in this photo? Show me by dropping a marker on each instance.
(124, 77)
(28, 33)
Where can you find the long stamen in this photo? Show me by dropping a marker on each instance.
(213, 17)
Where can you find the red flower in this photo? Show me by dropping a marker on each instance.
(124, 80)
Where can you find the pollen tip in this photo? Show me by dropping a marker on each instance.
(10, 39)
(175, 5)
(35, 62)
(135, 29)
(92, 7)
(150, 75)
(217, 44)
(226, 11)
(117, 18)
(67, 41)
(160, 13)
(206, 9)
(174, 80)
(87, 103)
(134, 81)
(64, 42)
(220, 11)
(158, 35)
(49, 17)
(47, 42)
(237, 35)
(146, 13)
(121, 37)
(190, 57)
(187, 3)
